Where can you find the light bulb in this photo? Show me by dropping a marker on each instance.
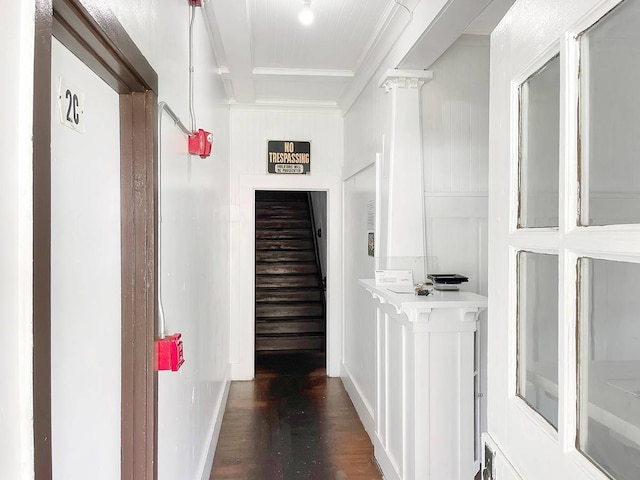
(306, 15)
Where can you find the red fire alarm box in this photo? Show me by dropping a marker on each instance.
(200, 143)
(197, 3)
(169, 355)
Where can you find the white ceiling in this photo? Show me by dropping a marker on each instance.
(266, 56)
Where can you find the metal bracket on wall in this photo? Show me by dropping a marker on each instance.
(489, 457)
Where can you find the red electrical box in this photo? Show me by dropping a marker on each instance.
(169, 355)
(200, 143)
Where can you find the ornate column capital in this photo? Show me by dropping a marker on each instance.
(404, 79)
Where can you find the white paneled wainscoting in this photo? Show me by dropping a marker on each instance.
(422, 417)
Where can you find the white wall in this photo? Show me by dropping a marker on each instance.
(197, 223)
(250, 129)
(455, 116)
(359, 328)
(366, 126)
(455, 112)
(195, 238)
(16, 91)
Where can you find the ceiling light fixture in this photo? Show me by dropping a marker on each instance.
(306, 15)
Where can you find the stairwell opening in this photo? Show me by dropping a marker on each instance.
(290, 282)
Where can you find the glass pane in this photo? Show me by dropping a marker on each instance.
(609, 106)
(609, 369)
(540, 147)
(537, 381)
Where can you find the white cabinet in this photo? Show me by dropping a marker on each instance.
(423, 425)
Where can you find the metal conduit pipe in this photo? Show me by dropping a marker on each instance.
(163, 107)
(192, 112)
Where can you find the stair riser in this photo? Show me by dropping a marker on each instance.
(286, 281)
(266, 296)
(280, 223)
(281, 214)
(293, 269)
(298, 343)
(289, 328)
(283, 234)
(284, 245)
(284, 256)
(284, 310)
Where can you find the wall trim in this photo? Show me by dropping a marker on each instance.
(366, 414)
(363, 408)
(208, 454)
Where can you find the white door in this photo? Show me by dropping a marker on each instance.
(85, 272)
(564, 235)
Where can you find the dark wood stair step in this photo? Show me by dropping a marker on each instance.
(296, 206)
(280, 196)
(288, 295)
(280, 327)
(281, 244)
(285, 256)
(283, 223)
(286, 268)
(282, 310)
(310, 342)
(281, 234)
(286, 281)
(275, 212)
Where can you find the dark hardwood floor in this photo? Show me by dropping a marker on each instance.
(292, 422)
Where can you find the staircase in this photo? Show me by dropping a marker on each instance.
(290, 311)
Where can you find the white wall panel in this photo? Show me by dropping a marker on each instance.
(195, 258)
(16, 91)
(359, 311)
(251, 128)
(455, 112)
(365, 126)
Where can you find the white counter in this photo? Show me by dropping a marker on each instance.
(424, 407)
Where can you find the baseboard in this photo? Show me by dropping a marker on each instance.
(363, 408)
(206, 462)
(389, 469)
(367, 417)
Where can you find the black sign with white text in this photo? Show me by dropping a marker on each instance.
(288, 157)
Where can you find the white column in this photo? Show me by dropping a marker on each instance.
(405, 221)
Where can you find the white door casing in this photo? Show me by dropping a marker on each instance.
(243, 327)
(531, 34)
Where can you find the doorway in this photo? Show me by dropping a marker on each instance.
(243, 277)
(98, 40)
(290, 276)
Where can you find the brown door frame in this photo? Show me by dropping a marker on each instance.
(95, 36)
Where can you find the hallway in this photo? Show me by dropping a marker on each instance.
(292, 422)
